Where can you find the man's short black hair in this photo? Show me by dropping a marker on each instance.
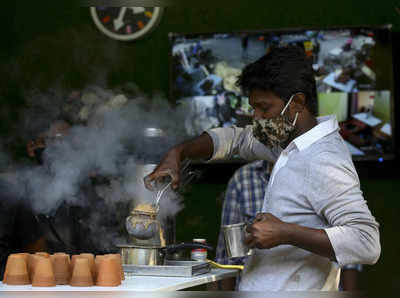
(283, 71)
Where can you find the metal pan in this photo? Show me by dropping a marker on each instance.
(153, 255)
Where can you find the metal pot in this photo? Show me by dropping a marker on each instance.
(153, 255)
(142, 225)
(140, 255)
(153, 144)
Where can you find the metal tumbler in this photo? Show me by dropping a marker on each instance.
(235, 240)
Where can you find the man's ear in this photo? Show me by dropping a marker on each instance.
(300, 102)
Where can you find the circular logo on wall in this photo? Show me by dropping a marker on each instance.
(126, 23)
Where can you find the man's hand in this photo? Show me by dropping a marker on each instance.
(200, 147)
(267, 231)
(169, 166)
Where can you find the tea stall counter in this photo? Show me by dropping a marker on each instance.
(136, 283)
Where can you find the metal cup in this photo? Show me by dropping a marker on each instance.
(235, 240)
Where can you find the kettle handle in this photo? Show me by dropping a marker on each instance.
(174, 247)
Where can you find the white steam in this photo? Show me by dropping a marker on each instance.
(106, 141)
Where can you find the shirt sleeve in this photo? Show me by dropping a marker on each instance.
(334, 192)
(231, 214)
(237, 141)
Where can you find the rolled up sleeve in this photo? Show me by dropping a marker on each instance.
(334, 192)
(237, 141)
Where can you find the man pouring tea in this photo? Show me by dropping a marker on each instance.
(314, 218)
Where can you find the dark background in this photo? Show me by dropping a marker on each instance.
(45, 44)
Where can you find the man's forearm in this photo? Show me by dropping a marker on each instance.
(313, 240)
(349, 279)
(200, 147)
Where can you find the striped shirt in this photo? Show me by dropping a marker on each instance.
(243, 200)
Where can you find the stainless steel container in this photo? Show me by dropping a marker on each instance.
(153, 255)
(235, 240)
(137, 255)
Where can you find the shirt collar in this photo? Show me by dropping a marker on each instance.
(262, 167)
(325, 126)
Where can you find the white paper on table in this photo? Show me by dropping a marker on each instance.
(330, 80)
(367, 118)
(336, 51)
(387, 129)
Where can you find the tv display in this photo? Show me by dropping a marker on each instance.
(353, 73)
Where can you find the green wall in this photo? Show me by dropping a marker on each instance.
(50, 45)
(57, 44)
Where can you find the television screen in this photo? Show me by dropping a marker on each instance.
(353, 73)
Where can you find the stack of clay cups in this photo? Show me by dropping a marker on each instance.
(73, 259)
(81, 272)
(92, 266)
(109, 272)
(97, 262)
(45, 270)
(61, 268)
(118, 259)
(43, 254)
(25, 255)
(42, 273)
(30, 265)
(16, 272)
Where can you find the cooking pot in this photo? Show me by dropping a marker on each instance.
(153, 255)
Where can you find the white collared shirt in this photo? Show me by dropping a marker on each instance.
(313, 184)
(326, 125)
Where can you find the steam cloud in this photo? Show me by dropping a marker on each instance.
(106, 140)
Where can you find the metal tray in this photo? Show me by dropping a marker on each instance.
(171, 268)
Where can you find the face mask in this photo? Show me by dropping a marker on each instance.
(274, 131)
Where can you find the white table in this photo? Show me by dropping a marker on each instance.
(137, 283)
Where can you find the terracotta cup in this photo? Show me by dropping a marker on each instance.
(61, 268)
(97, 262)
(17, 271)
(118, 259)
(73, 259)
(25, 255)
(34, 261)
(81, 274)
(43, 253)
(43, 274)
(32, 258)
(60, 253)
(6, 269)
(109, 274)
(92, 266)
